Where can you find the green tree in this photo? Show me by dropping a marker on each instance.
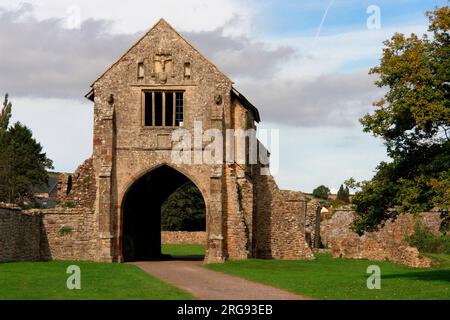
(352, 184)
(343, 194)
(413, 119)
(22, 162)
(321, 192)
(184, 210)
(5, 115)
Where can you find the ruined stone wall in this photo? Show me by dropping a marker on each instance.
(78, 189)
(388, 243)
(337, 226)
(69, 234)
(236, 225)
(183, 237)
(50, 234)
(312, 223)
(279, 222)
(19, 235)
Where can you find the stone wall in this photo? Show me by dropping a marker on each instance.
(388, 243)
(183, 237)
(69, 234)
(338, 226)
(19, 235)
(280, 222)
(78, 189)
(312, 223)
(51, 234)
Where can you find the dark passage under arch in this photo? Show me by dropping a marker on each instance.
(141, 233)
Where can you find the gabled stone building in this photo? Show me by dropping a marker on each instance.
(162, 84)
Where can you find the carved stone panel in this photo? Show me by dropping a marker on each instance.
(163, 65)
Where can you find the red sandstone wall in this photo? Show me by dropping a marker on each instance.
(183, 237)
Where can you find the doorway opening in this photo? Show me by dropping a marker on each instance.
(163, 200)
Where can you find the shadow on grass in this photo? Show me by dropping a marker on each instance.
(432, 275)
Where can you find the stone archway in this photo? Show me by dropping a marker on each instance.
(141, 212)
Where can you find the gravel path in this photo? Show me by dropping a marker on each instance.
(211, 285)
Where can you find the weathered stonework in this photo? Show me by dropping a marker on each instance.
(50, 234)
(78, 189)
(183, 237)
(68, 234)
(280, 222)
(19, 235)
(388, 243)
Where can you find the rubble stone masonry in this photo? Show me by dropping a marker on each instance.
(19, 235)
(280, 222)
(183, 237)
(68, 234)
(388, 243)
(51, 234)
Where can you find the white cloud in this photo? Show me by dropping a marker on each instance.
(136, 15)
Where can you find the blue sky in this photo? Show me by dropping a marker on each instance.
(287, 17)
(313, 90)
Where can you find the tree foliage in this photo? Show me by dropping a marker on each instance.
(413, 119)
(343, 194)
(321, 192)
(5, 115)
(22, 162)
(184, 210)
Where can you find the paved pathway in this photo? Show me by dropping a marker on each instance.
(211, 285)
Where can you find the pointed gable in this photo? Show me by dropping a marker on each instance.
(161, 27)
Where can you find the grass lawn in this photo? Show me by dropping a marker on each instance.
(183, 249)
(47, 280)
(327, 278)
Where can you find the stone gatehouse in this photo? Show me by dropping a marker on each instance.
(110, 207)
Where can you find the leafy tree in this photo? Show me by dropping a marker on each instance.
(352, 184)
(184, 210)
(413, 119)
(5, 115)
(321, 192)
(22, 162)
(343, 194)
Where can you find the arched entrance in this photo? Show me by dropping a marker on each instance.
(141, 212)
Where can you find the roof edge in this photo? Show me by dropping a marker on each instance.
(247, 104)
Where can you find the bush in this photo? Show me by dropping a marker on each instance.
(65, 230)
(426, 242)
(321, 192)
(69, 204)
